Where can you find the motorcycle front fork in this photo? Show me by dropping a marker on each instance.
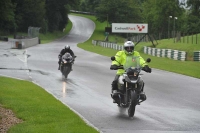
(140, 93)
(141, 97)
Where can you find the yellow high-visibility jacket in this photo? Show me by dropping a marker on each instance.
(120, 58)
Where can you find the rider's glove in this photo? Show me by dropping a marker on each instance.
(74, 56)
(146, 69)
(113, 67)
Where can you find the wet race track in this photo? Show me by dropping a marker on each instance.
(172, 103)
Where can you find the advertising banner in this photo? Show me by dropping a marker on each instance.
(129, 28)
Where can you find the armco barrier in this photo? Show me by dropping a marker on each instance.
(107, 44)
(23, 43)
(169, 53)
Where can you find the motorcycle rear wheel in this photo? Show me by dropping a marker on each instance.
(133, 99)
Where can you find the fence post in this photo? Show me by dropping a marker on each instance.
(196, 38)
(159, 35)
(192, 38)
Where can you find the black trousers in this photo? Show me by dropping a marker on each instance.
(114, 83)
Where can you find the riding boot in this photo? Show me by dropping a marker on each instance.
(59, 64)
(71, 68)
(143, 97)
(114, 90)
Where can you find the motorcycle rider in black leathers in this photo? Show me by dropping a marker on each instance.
(62, 52)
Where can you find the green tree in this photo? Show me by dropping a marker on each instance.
(156, 13)
(74, 4)
(57, 14)
(7, 16)
(83, 6)
(118, 11)
(89, 5)
(29, 13)
(193, 16)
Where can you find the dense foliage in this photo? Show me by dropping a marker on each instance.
(193, 15)
(49, 15)
(7, 16)
(154, 12)
(52, 15)
(118, 12)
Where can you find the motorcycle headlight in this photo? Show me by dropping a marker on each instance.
(135, 74)
(132, 74)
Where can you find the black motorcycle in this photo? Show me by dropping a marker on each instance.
(66, 64)
(130, 85)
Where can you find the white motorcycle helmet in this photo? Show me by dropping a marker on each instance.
(67, 47)
(129, 47)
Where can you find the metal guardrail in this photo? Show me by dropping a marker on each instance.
(82, 12)
(107, 44)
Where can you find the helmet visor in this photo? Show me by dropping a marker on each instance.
(67, 47)
(129, 49)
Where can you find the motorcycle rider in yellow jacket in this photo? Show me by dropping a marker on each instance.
(120, 59)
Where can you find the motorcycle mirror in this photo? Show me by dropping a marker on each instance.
(112, 58)
(148, 60)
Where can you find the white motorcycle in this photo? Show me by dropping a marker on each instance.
(130, 85)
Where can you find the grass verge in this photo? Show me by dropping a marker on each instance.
(49, 37)
(38, 109)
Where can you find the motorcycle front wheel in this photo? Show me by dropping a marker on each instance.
(133, 103)
(66, 71)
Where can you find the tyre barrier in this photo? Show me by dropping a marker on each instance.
(169, 53)
(196, 56)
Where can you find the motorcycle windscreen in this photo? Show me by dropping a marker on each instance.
(132, 61)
